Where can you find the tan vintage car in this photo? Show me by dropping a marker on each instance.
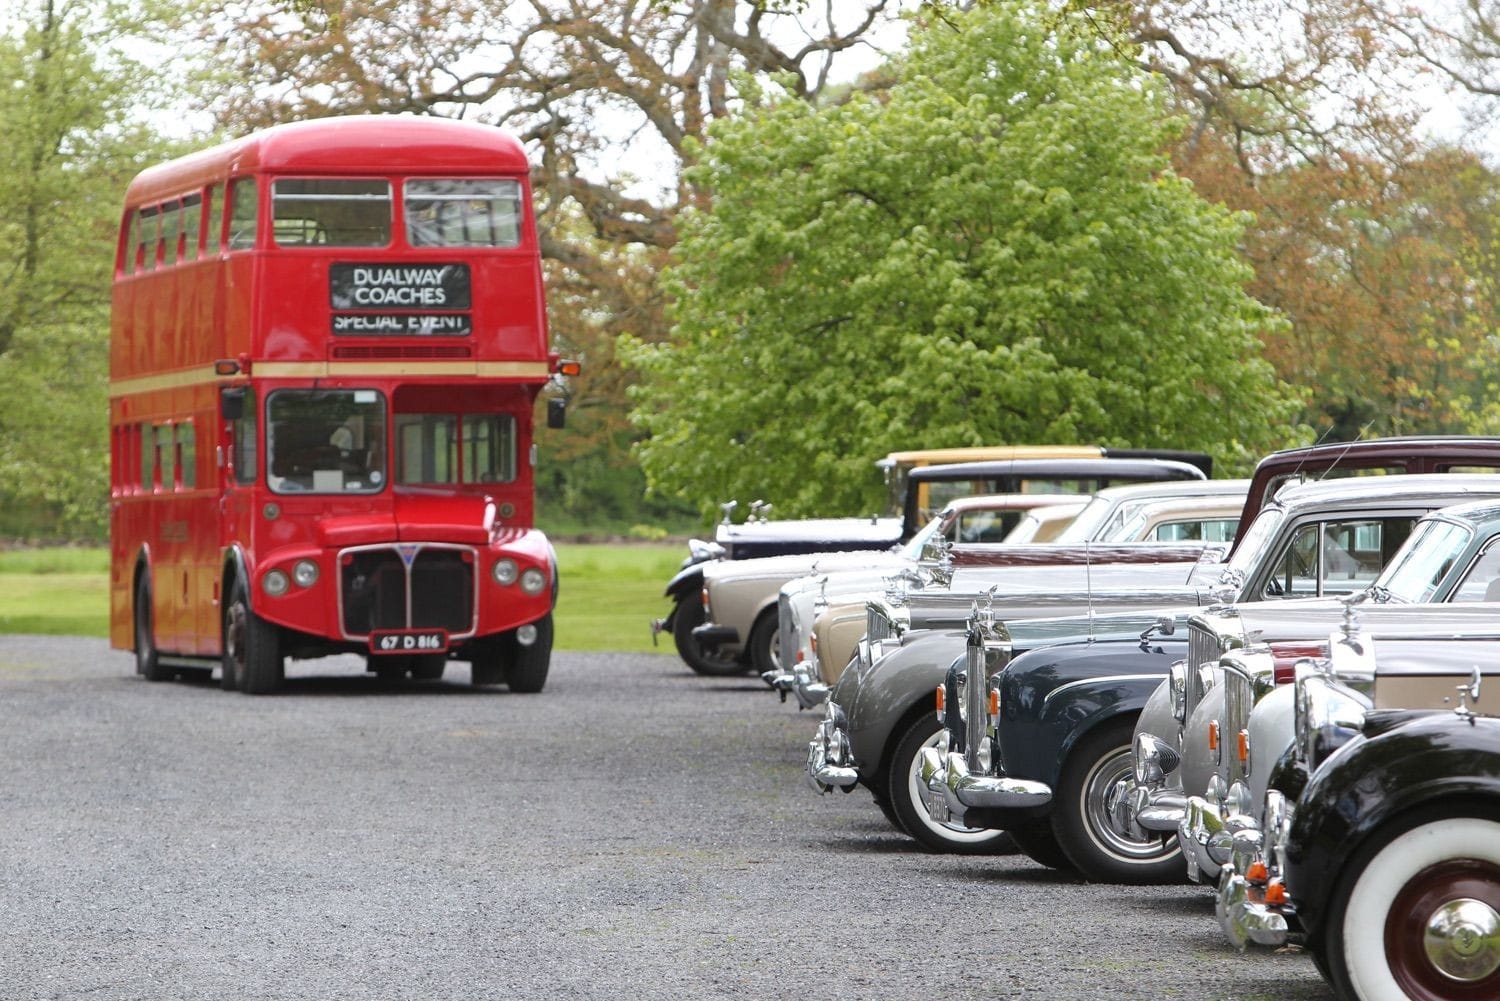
(1162, 512)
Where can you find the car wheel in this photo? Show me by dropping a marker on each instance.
(526, 669)
(906, 798)
(147, 657)
(1097, 773)
(689, 616)
(765, 643)
(1417, 913)
(1036, 840)
(253, 644)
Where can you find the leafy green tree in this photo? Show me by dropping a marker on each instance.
(72, 141)
(993, 251)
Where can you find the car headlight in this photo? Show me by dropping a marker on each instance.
(505, 571)
(1327, 716)
(305, 573)
(275, 583)
(1276, 827)
(533, 581)
(1155, 759)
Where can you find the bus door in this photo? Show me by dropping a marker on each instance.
(239, 469)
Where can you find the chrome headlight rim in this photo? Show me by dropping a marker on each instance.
(505, 571)
(305, 573)
(276, 583)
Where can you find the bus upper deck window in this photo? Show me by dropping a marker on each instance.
(243, 210)
(463, 213)
(309, 212)
(192, 225)
(171, 216)
(146, 237)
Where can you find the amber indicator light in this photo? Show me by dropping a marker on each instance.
(1276, 893)
(942, 698)
(1213, 735)
(1244, 745)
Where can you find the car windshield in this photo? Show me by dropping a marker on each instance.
(934, 528)
(325, 441)
(1255, 544)
(1414, 573)
(1087, 524)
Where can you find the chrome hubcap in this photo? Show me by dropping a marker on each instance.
(1463, 940)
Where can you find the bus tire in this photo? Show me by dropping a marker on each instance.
(147, 658)
(254, 646)
(526, 667)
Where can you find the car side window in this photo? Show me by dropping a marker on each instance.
(1335, 557)
(1482, 580)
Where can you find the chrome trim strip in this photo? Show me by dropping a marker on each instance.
(1090, 681)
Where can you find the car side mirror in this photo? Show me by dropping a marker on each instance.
(557, 412)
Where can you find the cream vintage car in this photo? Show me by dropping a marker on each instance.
(823, 615)
(740, 595)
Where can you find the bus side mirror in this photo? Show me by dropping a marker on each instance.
(232, 404)
(557, 412)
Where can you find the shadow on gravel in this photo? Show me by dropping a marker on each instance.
(1202, 901)
(1028, 874)
(340, 685)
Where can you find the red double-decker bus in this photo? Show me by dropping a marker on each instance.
(327, 342)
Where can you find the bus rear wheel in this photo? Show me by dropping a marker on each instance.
(147, 657)
(252, 651)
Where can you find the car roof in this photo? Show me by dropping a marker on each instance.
(1411, 487)
(1012, 502)
(1121, 468)
(1176, 488)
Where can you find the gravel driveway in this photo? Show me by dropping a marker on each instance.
(633, 832)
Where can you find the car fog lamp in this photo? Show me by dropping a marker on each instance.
(526, 635)
(1238, 799)
(1328, 716)
(986, 755)
(533, 581)
(505, 572)
(275, 583)
(305, 573)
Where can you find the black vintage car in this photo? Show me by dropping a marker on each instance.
(1082, 476)
(1392, 858)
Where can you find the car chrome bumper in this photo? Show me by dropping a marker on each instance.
(711, 635)
(1244, 914)
(1156, 809)
(802, 681)
(1209, 839)
(829, 761)
(950, 790)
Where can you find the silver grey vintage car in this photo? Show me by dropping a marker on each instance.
(881, 713)
(1452, 556)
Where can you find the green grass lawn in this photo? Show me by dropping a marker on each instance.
(609, 594)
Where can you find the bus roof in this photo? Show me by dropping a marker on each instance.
(364, 144)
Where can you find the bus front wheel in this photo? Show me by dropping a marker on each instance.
(252, 653)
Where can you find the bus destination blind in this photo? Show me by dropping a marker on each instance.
(402, 300)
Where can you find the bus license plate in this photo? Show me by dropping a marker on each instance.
(410, 641)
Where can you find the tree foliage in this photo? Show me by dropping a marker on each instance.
(994, 250)
(71, 142)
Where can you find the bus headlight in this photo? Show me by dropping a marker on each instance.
(533, 581)
(305, 573)
(275, 583)
(505, 572)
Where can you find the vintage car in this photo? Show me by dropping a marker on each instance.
(807, 605)
(880, 715)
(1116, 833)
(833, 601)
(1453, 555)
(1075, 476)
(1381, 853)
(1045, 524)
(741, 597)
(739, 629)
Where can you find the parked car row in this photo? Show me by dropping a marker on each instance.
(1289, 712)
